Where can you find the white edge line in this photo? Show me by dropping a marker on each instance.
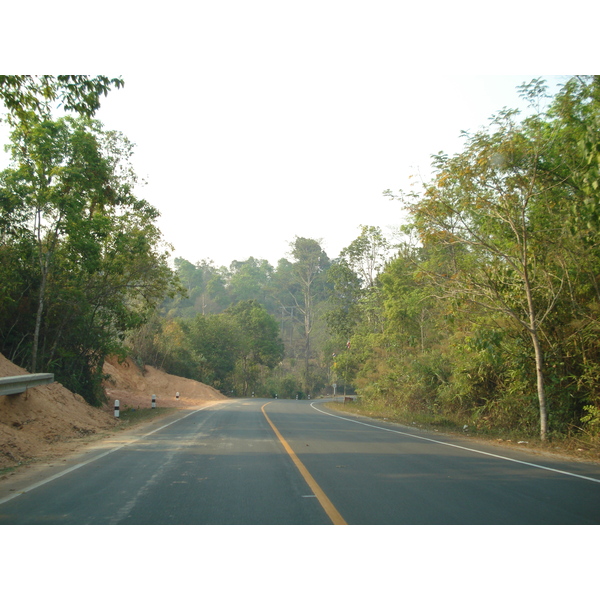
(460, 447)
(91, 460)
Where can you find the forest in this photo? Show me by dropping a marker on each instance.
(482, 310)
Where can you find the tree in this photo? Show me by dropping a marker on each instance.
(492, 206)
(213, 343)
(228, 350)
(310, 264)
(367, 254)
(344, 312)
(60, 182)
(574, 169)
(204, 284)
(408, 300)
(99, 265)
(29, 101)
(258, 340)
(32, 97)
(250, 280)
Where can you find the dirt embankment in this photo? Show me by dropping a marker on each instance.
(134, 387)
(45, 419)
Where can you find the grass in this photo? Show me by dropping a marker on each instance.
(8, 470)
(130, 417)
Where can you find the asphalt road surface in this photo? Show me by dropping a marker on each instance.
(294, 462)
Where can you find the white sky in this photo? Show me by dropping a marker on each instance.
(251, 160)
(258, 121)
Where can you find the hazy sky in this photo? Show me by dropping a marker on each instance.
(258, 121)
(245, 165)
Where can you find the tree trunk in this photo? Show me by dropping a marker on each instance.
(539, 368)
(307, 365)
(38, 317)
(306, 350)
(307, 330)
(539, 358)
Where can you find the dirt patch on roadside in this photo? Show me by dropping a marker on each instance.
(134, 386)
(48, 421)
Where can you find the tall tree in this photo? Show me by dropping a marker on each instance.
(258, 341)
(58, 180)
(344, 312)
(367, 254)
(494, 209)
(29, 101)
(205, 289)
(250, 280)
(309, 267)
(69, 193)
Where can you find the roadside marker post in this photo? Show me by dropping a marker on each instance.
(117, 405)
(177, 396)
(153, 400)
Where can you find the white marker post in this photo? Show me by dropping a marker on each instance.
(117, 404)
(153, 400)
(177, 396)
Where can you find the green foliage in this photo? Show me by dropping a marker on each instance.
(80, 255)
(307, 287)
(344, 312)
(33, 96)
(367, 254)
(258, 342)
(591, 419)
(502, 283)
(250, 280)
(293, 294)
(231, 351)
(487, 315)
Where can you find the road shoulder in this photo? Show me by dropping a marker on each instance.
(68, 455)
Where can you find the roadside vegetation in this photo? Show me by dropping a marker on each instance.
(483, 310)
(81, 259)
(131, 417)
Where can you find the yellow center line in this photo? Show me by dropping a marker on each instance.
(325, 502)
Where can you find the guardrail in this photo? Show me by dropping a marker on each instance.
(17, 384)
(344, 399)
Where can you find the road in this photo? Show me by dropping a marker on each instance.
(257, 461)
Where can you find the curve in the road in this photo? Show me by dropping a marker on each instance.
(420, 437)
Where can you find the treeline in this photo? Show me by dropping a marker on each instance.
(249, 328)
(485, 311)
(489, 313)
(306, 304)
